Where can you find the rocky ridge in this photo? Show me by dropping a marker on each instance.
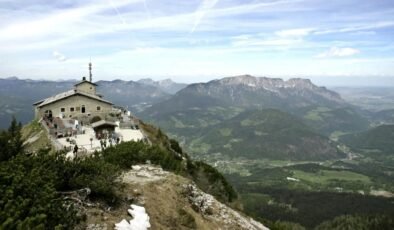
(172, 202)
(282, 88)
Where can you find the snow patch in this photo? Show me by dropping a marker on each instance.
(292, 179)
(140, 219)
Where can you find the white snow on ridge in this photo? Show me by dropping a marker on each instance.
(140, 219)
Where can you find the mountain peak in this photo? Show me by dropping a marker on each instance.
(272, 84)
(167, 85)
(249, 90)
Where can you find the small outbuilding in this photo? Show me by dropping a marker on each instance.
(103, 128)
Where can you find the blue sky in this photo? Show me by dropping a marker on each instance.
(198, 40)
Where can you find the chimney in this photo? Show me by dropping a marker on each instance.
(83, 78)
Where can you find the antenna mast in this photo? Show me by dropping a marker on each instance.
(90, 71)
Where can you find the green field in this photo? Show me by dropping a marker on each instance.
(316, 114)
(327, 176)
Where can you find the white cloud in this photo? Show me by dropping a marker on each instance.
(203, 9)
(57, 22)
(338, 52)
(369, 26)
(265, 42)
(294, 32)
(59, 56)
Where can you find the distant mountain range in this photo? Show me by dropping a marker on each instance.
(197, 113)
(166, 85)
(248, 91)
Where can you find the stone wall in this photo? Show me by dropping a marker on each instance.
(86, 87)
(77, 106)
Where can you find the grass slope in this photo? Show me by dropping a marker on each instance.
(380, 139)
(266, 134)
(333, 120)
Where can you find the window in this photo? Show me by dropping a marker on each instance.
(83, 109)
(72, 109)
(62, 110)
(78, 108)
(98, 108)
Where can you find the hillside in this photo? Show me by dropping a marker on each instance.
(380, 139)
(384, 116)
(98, 189)
(172, 202)
(333, 121)
(268, 134)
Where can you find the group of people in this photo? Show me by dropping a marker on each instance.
(105, 139)
(103, 142)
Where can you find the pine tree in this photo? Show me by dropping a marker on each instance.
(11, 142)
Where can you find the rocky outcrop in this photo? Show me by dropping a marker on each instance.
(171, 202)
(209, 207)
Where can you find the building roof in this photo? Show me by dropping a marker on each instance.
(85, 81)
(67, 94)
(103, 122)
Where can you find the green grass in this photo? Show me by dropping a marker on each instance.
(315, 114)
(225, 132)
(251, 122)
(197, 146)
(326, 176)
(336, 134)
(177, 123)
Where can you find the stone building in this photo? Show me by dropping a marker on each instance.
(81, 103)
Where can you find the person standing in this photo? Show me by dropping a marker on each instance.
(102, 144)
(75, 150)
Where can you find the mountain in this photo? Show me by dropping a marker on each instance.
(268, 134)
(250, 92)
(380, 139)
(17, 95)
(130, 93)
(265, 92)
(166, 85)
(194, 110)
